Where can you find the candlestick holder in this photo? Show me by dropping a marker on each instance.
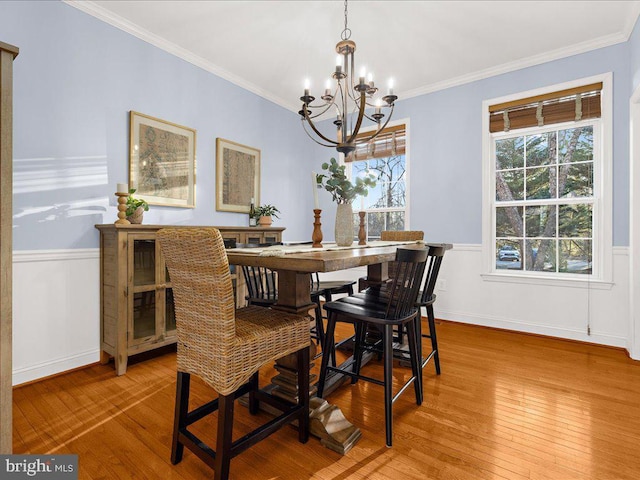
(362, 234)
(122, 209)
(317, 232)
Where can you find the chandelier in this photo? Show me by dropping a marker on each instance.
(350, 99)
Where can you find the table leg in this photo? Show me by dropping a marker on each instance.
(327, 421)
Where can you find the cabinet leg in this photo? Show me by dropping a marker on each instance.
(121, 364)
(104, 357)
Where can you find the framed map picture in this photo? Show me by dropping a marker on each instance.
(162, 164)
(237, 176)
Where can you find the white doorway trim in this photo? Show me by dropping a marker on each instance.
(633, 345)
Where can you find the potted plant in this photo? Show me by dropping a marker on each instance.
(343, 192)
(264, 214)
(135, 207)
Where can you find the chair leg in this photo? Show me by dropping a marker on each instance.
(387, 339)
(224, 437)
(180, 416)
(416, 359)
(358, 342)
(254, 403)
(327, 351)
(319, 324)
(303, 394)
(434, 338)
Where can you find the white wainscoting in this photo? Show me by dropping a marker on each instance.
(558, 311)
(56, 311)
(56, 306)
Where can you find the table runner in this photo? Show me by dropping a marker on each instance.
(281, 250)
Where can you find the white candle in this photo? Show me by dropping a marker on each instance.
(122, 188)
(314, 185)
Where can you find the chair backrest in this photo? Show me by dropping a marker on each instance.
(260, 282)
(434, 261)
(401, 235)
(409, 269)
(203, 294)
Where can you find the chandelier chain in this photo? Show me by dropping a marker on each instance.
(346, 33)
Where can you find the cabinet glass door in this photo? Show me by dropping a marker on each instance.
(143, 259)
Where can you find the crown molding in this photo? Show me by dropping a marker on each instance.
(117, 21)
(546, 57)
(105, 15)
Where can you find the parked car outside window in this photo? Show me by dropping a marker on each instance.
(508, 252)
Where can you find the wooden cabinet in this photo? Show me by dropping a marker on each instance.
(136, 299)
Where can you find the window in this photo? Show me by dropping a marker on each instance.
(547, 186)
(386, 204)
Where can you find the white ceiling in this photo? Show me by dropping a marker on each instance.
(270, 47)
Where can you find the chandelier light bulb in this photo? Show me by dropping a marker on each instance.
(307, 86)
(390, 86)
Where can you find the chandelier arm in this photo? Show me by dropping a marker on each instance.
(382, 127)
(313, 127)
(326, 107)
(312, 138)
(359, 121)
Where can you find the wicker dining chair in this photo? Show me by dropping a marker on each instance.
(226, 348)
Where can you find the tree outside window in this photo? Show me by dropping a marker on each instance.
(544, 197)
(386, 203)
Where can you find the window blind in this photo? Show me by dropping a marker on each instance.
(390, 142)
(557, 107)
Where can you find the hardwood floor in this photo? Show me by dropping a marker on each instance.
(507, 406)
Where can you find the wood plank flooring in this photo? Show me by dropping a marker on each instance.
(507, 406)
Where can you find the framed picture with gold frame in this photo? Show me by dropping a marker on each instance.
(237, 176)
(162, 161)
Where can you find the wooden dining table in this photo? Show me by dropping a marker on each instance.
(294, 289)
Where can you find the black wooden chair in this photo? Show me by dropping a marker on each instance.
(226, 348)
(399, 309)
(426, 298)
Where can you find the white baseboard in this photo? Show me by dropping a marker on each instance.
(45, 369)
(519, 326)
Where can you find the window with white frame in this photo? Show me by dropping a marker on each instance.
(386, 204)
(548, 166)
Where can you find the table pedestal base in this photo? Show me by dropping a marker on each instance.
(326, 421)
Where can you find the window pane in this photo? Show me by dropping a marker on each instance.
(510, 153)
(379, 221)
(575, 221)
(576, 180)
(575, 144)
(508, 254)
(541, 149)
(541, 255)
(540, 221)
(509, 222)
(510, 185)
(575, 256)
(541, 183)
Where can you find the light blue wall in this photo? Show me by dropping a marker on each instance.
(76, 79)
(446, 144)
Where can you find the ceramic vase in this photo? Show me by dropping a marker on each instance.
(344, 225)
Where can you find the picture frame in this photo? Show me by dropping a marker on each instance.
(237, 176)
(162, 161)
